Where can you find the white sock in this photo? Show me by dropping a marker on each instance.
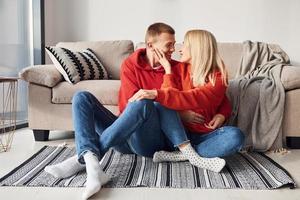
(95, 175)
(214, 164)
(165, 156)
(66, 168)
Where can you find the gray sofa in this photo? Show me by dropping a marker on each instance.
(49, 104)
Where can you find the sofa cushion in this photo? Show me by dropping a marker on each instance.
(77, 66)
(106, 91)
(290, 77)
(110, 53)
(46, 75)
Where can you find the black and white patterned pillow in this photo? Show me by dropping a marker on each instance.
(77, 66)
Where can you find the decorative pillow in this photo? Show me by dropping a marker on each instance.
(77, 66)
(45, 75)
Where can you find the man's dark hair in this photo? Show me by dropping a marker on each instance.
(158, 28)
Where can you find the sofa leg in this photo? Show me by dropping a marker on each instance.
(293, 142)
(41, 135)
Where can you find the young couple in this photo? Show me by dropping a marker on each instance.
(171, 111)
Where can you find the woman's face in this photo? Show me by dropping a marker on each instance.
(185, 54)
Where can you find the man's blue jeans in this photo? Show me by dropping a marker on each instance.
(137, 130)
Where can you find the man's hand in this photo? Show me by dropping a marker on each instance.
(216, 122)
(163, 60)
(191, 117)
(143, 94)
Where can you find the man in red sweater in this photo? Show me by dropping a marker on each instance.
(136, 130)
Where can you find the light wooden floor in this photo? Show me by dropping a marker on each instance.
(24, 146)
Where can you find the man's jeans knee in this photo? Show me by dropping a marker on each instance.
(80, 97)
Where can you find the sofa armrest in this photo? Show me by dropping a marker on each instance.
(45, 75)
(290, 77)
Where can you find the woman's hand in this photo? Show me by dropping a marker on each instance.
(216, 122)
(143, 94)
(191, 117)
(163, 60)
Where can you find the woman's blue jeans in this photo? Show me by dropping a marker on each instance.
(143, 128)
(221, 142)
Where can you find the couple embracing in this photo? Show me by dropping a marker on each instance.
(169, 110)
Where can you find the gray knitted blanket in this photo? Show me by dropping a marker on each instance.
(257, 95)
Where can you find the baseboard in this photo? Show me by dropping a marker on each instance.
(293, 142)
(18, 126)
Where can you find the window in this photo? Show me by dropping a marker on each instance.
(15, 50)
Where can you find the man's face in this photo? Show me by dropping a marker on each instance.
(165, 42)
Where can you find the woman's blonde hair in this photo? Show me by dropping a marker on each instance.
(205, 57)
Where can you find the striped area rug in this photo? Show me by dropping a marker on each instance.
(245, 171)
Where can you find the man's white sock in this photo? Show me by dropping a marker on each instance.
(95, 175)
(214, 164)
(165, 156)
(66, 168)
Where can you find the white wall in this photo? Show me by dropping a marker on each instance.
(272, 21)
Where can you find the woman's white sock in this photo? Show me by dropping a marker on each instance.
(66, 168)
(214, 164)
(95, 175)
(165, 156)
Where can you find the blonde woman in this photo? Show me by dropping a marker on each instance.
(197, 86)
